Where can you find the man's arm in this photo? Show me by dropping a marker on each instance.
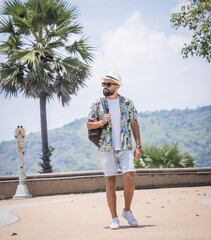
(94, 125)
(136, 134)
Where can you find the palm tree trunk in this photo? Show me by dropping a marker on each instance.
(46, 166)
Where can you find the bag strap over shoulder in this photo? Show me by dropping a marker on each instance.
(103, 104)
(102, 100)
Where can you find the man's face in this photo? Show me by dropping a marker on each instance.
(110, 90)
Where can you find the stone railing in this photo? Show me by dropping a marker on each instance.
(92, 181)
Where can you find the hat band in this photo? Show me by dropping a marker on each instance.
(112, 78)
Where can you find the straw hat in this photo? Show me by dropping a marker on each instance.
(115, 77)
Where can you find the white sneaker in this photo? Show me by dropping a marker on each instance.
(128, 215)
(115, 223)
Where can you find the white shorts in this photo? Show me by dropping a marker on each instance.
(111, 160)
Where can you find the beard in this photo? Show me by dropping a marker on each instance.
(107, 92)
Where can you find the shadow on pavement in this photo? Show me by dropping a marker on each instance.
(127, 227)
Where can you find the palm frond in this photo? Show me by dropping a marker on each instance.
(13, 7)
(21, 18)
(23, 24)
(60, 12)
(35, 16)
(152, 155)
(140, 163)
(55, 44)
(6, 26)
(12, 44)
(45, 5)
(81, 48)
(62, 31)
(11, 79)
(187, 160)
(71, 74)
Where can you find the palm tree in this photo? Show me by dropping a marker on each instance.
(165, 156)
(45, 56)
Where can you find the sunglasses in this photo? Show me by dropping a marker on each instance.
(108, 84)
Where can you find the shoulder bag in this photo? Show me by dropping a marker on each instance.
(94, 134)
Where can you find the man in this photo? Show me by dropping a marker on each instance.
(115, 143)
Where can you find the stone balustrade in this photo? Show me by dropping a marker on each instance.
(93, 181)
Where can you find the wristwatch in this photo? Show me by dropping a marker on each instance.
(139, 147)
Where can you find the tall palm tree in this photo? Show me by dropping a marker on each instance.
(46, 58)
(164, 156)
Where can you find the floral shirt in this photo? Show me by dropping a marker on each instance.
(128, 115)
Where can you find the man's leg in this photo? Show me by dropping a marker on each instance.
(109, 165)
(128, 194)
(111, 194)
(128, 189)
(126, 161)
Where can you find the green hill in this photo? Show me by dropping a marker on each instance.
(74, 152)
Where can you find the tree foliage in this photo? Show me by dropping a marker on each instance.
(41, 55)
(196, 16)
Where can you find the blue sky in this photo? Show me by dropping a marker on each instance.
(135, 39)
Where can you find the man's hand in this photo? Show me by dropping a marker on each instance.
(137, 153)
(106, 118)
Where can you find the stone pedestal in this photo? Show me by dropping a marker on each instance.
(22, 192)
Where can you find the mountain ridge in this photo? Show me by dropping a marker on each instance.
(74, 152)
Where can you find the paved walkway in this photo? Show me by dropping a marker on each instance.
(163, 214)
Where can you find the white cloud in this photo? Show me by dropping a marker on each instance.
(154, 73)
(132, 44)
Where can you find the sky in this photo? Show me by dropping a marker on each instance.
(135, 39)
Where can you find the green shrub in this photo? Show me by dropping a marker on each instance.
(164, 156)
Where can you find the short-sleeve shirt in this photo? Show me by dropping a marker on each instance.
(128, 115)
